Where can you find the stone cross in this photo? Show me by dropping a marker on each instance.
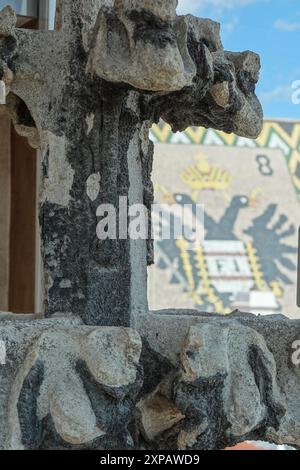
(86, 94)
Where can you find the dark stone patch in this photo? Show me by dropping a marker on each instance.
(8, 46)
(263, 379)
(246, 82)
(114, 407)
(150, 28)
(147, 167)
(156, 367)
(31, 427)
(117, 36)
(200, 402)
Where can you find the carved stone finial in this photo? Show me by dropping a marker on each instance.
(149, 48)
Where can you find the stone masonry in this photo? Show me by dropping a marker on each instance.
(86, 94)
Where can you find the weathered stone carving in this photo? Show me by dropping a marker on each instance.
(136, 43)
(149, 48)
(226, 380)
(66, 385)
(91, 90)
(86, 94)
(208, 382)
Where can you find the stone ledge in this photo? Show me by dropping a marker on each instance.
(232, 378)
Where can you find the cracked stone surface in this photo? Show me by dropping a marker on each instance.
(66, 385)
(86, 95)
(219, 380)
(224, 380)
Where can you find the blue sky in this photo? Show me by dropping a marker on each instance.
(269, 27)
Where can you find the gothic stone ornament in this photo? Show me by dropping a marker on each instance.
(73, 94)
(217, 381)
(66, 385)
(87, 94)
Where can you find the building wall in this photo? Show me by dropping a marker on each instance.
(250, 192)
